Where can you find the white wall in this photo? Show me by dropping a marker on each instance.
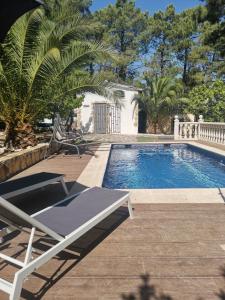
(129, 120)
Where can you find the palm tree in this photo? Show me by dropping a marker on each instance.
(159, 99)
(43, 62)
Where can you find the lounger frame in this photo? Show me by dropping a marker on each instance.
(35, 187)
(28, 266)
(30, 188)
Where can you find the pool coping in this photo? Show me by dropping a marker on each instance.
(94, 172)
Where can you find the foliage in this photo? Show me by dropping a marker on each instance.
(215, 37)
(160, 35)
(55, 53)
(177, 48)
(123, 27)
(184, 31)
(208, 100)
(44, 65)
(160, 99)
(76, 5)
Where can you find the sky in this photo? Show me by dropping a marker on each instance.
(151, 5)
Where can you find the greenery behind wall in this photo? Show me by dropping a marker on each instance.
(55, 53)
(188, 47)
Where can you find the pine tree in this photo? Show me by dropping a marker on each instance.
(123, 28)
(215, 37)
(160, 28)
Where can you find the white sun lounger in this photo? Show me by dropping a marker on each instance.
(64, 222)
(26, 184)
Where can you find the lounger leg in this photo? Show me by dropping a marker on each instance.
(18, 280)
(29, 247)
(130, 208)
(17, 288)
(64, 186)
(78, 150)
(2, 234)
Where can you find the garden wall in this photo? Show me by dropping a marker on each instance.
(16, 162)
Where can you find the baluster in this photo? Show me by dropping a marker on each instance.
(192, 131)
(220, 134)
(210, 134)
(188, 131)
(215, 134)
(185, 131)
(201, 132)
(196, 127)
(180, 131)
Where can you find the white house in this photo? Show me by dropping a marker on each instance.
(99, 114)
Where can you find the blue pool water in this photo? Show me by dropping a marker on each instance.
(161, 166)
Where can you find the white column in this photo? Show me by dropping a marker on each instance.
(200, 120)
(176, 128)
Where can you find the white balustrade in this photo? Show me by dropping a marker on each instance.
(205, 131)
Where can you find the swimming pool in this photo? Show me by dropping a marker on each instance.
(163, 166)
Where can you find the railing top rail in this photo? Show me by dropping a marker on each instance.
(189, 123)
(213, 123)
(204, 123)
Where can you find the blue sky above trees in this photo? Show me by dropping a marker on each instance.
(151, 5)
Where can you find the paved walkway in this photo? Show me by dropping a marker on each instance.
(140, 138)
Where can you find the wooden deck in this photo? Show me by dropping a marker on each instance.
(168, 252)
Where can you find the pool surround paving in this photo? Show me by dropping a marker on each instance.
(94, 172)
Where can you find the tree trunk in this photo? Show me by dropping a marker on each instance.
(122, 73)
(162, 63)
(92, 71)
(20, 136)
(122, 68)
(185, 77)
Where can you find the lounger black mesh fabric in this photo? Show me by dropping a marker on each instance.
(72, 214)
(9, 214)
(14, 219)
(21, 183)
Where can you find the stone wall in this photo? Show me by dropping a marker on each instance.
(16, 162)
